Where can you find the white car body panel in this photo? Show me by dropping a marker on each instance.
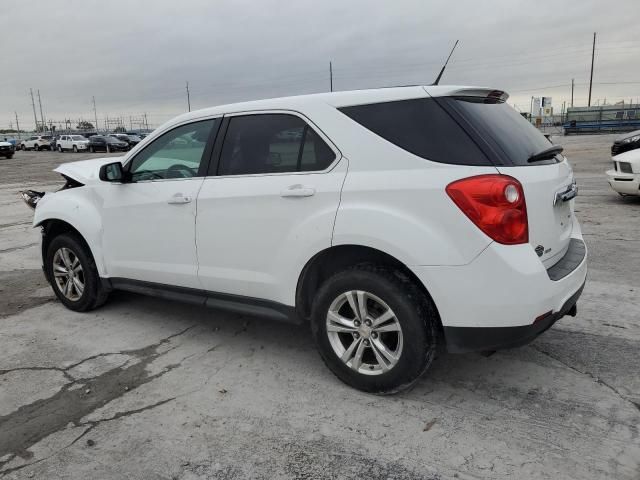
(550, 223)
(623, 182)
(85, 171)
(252, 241)
(238, 235)
(146, 237)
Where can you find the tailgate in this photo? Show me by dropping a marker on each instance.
(550, 217)
(518, 149)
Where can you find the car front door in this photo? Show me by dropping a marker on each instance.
(268, 204)
(149, 221)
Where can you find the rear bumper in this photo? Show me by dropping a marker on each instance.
(627, 183)
(505, 297)
(477, 339)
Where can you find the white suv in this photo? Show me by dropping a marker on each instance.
(77, 143)
(395, 221)
(37, 142)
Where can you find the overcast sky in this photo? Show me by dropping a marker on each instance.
(135, 56)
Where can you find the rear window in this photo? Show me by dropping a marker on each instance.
(422, 127)
(504, 128)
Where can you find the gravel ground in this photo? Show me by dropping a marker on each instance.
(146, 388)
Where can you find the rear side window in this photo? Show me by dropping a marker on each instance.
(272, 143)
(514, 136)
(419, 126)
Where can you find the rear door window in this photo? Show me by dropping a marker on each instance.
(515, 138)
(272, 143)
(419, 126)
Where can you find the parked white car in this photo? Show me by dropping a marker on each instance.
(77, 143)
(624, 178)
(394, 220)
(37, 142)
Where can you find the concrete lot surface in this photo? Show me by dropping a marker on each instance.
(149, 389)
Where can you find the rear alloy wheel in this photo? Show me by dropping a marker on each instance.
(364, 332)
(91, 150)
(60, 148)
(73, 274)
(374, 328)
(75, 149)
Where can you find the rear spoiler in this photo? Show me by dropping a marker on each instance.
(490, 95)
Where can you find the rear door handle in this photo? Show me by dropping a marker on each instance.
(298, 191)
(179, 199)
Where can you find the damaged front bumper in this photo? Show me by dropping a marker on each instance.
(31, 197)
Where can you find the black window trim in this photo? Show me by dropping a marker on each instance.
(214, 165)
(206, 153)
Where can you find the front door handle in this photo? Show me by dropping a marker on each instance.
(179, 199)
(298, 191)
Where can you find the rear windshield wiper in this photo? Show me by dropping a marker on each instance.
(546, 154)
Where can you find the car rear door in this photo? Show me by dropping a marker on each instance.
(149, 221)
(268, 204)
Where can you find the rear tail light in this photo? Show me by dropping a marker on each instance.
(495, 204)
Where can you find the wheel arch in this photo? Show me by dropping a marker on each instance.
(337, 258)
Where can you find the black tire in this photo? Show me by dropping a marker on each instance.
(23, 147)
(93, 294)
(36, 147)
(413, 310)
(91, 150)
(75, 149)
(9, 157)
(108, 149)
(60, 148)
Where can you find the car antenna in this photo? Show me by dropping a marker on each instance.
(445, 64)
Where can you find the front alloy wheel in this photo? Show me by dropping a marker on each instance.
(364, 332)
(68, 274)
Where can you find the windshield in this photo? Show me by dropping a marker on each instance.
(46, 137)
(112, 140)
(135, 138)
(77, 137)
(509, 131)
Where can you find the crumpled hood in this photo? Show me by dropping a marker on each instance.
(85, 171)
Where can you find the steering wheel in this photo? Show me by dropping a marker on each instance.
(179, 170)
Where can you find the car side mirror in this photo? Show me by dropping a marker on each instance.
(112, 172)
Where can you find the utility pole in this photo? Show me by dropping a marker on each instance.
(330, 77)
(531, 110)
(188, 97)
(572, 85)
(17, 125)
(145, 121)
(33, 104)
(95, 113)
(44, 125)
(593, 53)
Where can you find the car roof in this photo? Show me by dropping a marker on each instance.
(336, 99)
